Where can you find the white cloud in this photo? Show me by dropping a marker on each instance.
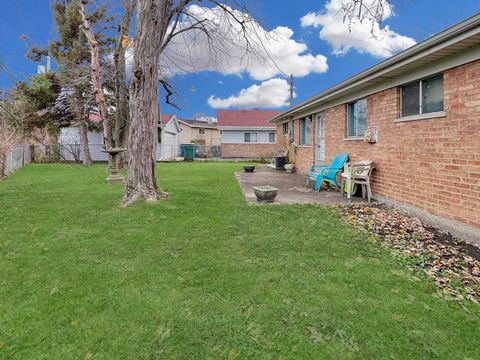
(336, 32)
(272, 93)
(272, 52)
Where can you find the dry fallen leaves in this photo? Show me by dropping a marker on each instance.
(453, 264)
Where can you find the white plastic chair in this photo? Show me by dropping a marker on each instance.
(358, 173)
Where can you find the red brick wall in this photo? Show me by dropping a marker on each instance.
(430, 164)
(250, 151)
(304, 154)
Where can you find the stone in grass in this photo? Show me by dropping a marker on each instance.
(265, 194)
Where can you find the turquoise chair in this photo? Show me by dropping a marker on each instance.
(321, 173)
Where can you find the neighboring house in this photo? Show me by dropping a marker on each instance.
(168, 137)
(247, 133)
(70, 139)
(416, 115)
(199, 132)
(168, 140)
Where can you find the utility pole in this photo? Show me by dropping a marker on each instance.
(49, 64)
(291, 91)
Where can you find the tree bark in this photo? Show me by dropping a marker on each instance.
(151, 25)
(121, 91)
(3, 164)
(96, 79)
(83, 130)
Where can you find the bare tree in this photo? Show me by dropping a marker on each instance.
(8, 139)
(121, 89)
(158, 22)
(97, 84)
(372, 11)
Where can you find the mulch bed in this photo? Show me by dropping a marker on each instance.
(451, 262)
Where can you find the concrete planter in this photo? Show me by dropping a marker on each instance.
(288, 168)
(249, 168)
(265, 194)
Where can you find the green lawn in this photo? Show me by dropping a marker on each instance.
(204, 275)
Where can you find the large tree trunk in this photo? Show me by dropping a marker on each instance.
(3, 164)
(83, 130)
(121, 91)
(151, 24)
(96, 79)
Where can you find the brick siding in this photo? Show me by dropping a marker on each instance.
(431, 164)
(248, 151)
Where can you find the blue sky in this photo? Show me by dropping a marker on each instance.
(345, 53)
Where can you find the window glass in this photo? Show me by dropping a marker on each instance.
(271, 137)
(250, 137)
(305, 131)
(321, 126)
(422, 97)
(285, 128)
(357, 118)
(411, 99)
(201, 131)
(361, 117)
(432, 94)
(159, 135)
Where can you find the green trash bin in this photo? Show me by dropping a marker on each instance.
(189, 150)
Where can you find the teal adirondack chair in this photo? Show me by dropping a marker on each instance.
(321, 173)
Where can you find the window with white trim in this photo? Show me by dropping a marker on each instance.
(201, 131)
(250, 137)
(305, 131)
(285, 128)
(422, 97)
(271, 137)
(357, 118)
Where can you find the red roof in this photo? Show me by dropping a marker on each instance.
(246, 118)
(165, 118)
(96, 118)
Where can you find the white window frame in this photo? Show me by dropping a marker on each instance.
(356, 136)
(274, 137)
(420, 94)
(250, 137)
(201, 131)
(307, 141)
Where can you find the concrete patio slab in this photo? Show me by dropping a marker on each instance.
(291, 188)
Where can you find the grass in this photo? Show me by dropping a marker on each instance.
(204, 275)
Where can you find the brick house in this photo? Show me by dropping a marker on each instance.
(420, 110)
(247, 133)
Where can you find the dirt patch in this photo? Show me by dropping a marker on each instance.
(451, 262)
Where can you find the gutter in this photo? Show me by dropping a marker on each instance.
(449, 33)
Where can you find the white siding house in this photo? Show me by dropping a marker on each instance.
(247, 133)
(168, 141)
(70, 139)
(254, 135)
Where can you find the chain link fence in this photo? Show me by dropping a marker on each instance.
(17, 157)
(21, 155)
